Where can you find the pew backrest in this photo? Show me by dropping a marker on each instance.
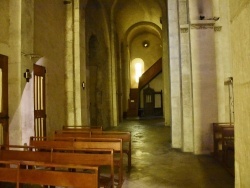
(82, 128)
(47, 177)
(72, 134)
(69, 156)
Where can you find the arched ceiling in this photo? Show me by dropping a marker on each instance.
(131, 13)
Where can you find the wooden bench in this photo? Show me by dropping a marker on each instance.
(86, 157)
(217, 137)
(126, 140)
(125, 136)
(82, 128)
(83, 177)
(87, 143)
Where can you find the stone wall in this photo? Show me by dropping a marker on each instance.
(98, 65)
(49, 42)
(240, 29)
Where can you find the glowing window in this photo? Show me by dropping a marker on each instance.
(138, 66)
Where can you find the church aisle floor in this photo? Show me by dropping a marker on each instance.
(156, 165)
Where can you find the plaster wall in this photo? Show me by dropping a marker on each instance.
(27, 98)
(5, 23)
(49, 43)
(10, 45)
(240, 29)
(223, 61)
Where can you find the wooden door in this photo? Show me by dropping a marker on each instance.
(39, 101)
(4, 118)
(149, 101)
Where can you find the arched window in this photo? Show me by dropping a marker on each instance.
(136, 70)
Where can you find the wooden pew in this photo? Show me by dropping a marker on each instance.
(125, 136)
(113, 143)
(217, 137)
(87, 143)
(82, 128)
(126, 140)
(72, 134)
(87, 157)
(84, 177)
(96, 157)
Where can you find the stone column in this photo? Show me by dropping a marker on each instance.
(204, 79)
(77, 64)
(73, 64)
(174, 71)
(69, 66)
(186, 79)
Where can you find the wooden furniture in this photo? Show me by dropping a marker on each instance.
(133, 103)
(69, 156)
(228, 148)
(82, 128)
(125, 136)
(217, 137)
(80, 143)
(83, 177)
(152, 102)
(126, 141)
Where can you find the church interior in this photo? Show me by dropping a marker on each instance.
(106, 62)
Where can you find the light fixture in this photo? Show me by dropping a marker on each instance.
(145, 43)
(83, 85)
(27, 75)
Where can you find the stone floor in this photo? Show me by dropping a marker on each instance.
(156, 165)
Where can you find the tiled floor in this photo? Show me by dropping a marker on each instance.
(156, 165)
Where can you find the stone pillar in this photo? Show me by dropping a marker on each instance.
(69, 66)
(204, 79)
(174, 70)
(73, 64)
(186, 81)
(113, 76)
(77, 64)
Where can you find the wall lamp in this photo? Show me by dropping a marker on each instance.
(27, 75)
(145, 43)
(83, 85)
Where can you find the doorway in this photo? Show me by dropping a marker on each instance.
(39, 101)
(4, 117)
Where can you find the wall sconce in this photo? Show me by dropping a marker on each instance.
(27, 75)
(83, 85)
